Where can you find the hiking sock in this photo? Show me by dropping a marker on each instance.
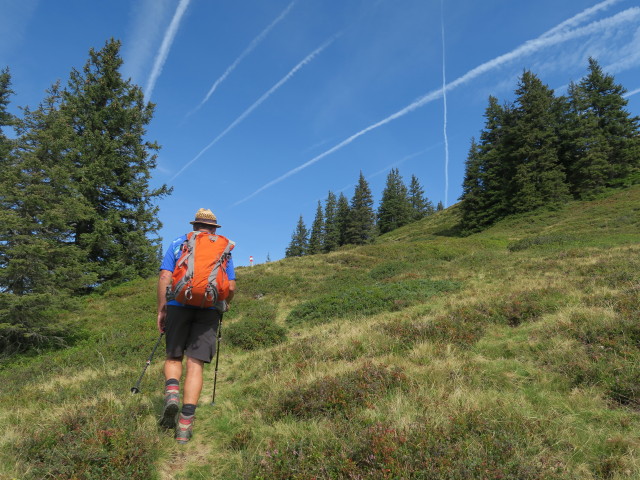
(171, 403)
(172, 389)
(188, 409)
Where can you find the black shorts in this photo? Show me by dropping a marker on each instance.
(191, 332)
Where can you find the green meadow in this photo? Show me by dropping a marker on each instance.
(513, 353)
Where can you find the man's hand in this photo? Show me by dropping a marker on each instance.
(222, 306)
(162, 314)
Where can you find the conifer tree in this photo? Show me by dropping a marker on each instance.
(395, 209)
(440, 206)
(361, 225)
(538, 178)
(113, 164)
(583, 150)
(317, 228)
(299, 240)
(40, 254)
(8, 174)
(610, 136)
(421, 206)
(342, 218)
(331, 236)
(472, 198)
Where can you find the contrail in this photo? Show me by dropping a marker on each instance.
(444, 98)
(580, 17)
(632, 92)
(165, 47)
(258, 102)
(254, 43)
(527, 48)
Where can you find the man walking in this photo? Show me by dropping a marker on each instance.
(191, 331)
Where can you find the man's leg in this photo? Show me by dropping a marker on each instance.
(173, 368)
(192, 389)
(193, 381)
(172, 373)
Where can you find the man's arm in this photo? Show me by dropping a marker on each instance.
(164, 280)
(232, 290)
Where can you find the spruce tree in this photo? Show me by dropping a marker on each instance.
(472, 198)
(539, 178)
(611, 141)
(495, 169)
(299, 240)
(41, 256)
(331, 236)
(113, 164)
(421, 206)
(361, 228)
(395, 209)
(440, 206)
(342, 218)
(8, 175)
(317, 228)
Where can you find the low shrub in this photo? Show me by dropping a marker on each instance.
(333, 395)
(540, 240)
(388, 270)
(468, 447)
(254, 333)
(610, 353)
(367, 300)
(101, 442)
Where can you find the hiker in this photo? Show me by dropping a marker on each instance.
(191, 330)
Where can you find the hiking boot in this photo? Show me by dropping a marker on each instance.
(184, 430)
(171, 407)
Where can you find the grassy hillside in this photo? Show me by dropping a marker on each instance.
(510, 354)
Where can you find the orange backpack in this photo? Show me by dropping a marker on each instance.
(199, 278)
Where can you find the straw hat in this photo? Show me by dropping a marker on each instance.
(207, 217)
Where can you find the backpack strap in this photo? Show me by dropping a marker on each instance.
(189, 257)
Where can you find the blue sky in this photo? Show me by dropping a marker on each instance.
(263, 106)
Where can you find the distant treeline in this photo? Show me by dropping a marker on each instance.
(343, 221)
(77, 211)
(543, 150)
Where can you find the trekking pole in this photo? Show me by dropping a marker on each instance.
(136, 388)
(215, 375)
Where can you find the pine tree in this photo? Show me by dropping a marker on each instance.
(361, 225)
(299, 241)
(539, 178)
(472, 198)
(40, 254)
(113, 164)
(317, 228)
(609, 144)
(342, 218)
(395, 209)
(421, 206)
(331, 235)
(440, 206)
(8, 175)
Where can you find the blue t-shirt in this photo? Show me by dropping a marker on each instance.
(173, 254)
